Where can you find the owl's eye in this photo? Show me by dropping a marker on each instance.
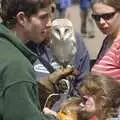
(66, 30)
(57, 31)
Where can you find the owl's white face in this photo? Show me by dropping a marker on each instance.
(63, 43)
(62, 29)
(61, 33)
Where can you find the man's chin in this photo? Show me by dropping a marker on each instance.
(46, 41)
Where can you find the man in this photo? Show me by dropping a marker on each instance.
(81, 63)
(23, 20)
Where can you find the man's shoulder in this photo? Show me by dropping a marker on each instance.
(9, 52)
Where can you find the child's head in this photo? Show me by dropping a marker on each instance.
(71, 110)
(100, 94)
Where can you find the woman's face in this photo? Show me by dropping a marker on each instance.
(104, 16)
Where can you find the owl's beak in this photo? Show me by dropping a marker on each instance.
(61, 38)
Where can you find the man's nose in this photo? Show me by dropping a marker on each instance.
(49, 23)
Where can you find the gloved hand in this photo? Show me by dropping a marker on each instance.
(47, 85)
(50, 80)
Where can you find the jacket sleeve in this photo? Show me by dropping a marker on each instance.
(21, 103)
(20, 93)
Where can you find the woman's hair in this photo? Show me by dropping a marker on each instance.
(116, 5)
(106, 92)
(10, 8)
(113, 3)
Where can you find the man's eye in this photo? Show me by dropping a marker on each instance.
(44, 16)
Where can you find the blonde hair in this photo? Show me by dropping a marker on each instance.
(71, 108)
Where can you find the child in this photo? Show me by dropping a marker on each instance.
(71, 110)
(100, 100)
(101, 95)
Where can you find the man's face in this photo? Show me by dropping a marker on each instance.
(38, 26)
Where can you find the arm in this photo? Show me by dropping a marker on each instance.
(21, 103)
(47, 85)
(20, 93)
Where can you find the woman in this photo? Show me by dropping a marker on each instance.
(107, 17)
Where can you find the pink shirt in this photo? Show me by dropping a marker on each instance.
(109, 64)
(93, 118)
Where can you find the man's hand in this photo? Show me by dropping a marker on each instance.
(60, 73)
(47, 85)
(50, 80)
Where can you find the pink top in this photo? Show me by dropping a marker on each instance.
(93, 118)
(109, 64)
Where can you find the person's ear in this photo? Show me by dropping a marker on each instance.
(53, 8)
(21, 18)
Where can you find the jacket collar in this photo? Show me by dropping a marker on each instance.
(15, 40)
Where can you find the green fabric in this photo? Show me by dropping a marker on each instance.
(18, 88)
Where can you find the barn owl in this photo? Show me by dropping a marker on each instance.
(63, 42)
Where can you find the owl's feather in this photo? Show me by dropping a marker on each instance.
(63, 42)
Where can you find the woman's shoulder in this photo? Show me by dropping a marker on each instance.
(116, 43)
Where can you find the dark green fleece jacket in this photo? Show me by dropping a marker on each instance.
(18, 87)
